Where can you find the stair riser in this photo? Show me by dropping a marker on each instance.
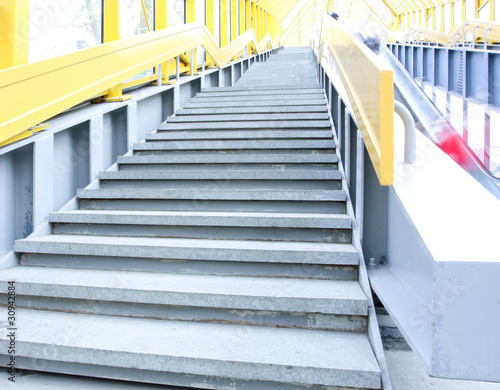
(208, 232)
(281, 319)
(222, 184)
(305, 271)
(215, 167)
(213, 205)
(146, 376)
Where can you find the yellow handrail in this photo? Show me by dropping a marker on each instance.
(32, 93)
(369, 85)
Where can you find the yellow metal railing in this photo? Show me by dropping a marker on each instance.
(471, 29)
(32, 93)
(369, 85)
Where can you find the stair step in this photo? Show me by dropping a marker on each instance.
(184, 353)
(223, 175)
(236, 145)
(212, 198)
(236, 135)
(259, 90)
(250, 110)
(318, 304)
(309, 260)
(297, 124)
(188, 249)
(249, 117)
(249, 158)
(215, 194)
(206, 225)
(256, 103)
(233, 219)
(202, 98)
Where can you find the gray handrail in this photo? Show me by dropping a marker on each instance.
(410, 132)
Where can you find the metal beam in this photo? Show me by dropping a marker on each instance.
(111, 21)
(14, 33)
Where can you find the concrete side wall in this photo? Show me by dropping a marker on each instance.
(436, 233)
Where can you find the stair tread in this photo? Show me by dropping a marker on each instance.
(184, 248)
(237, 292)
(247, 158)
(255, 353)
(216, 194)
(283, 124)
(223, 174)
(200, 218)
(248, 117)
(230, 134)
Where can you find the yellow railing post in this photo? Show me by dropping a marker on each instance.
(160, 24)
(224, 40)
(254, 19)
(210, 23)
(242, 16)
(191, 18)
(248, 14)
(14, 33)
(111, 32)
(234, 19)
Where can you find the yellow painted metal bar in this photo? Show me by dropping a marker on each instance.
(492, 10)
(14, 32)
(209, 16)
(224, 20)
(234, 19)
(161, 14)
(254, 17)
(242, 19)
(259, 22)
(161, 23)
(442, 19)
(190, 11)
(370, 88)
(25, 134)
(146, 15)
(248, 14)
(49, 87)
(464, 11)
(191, 18)
(111, 21)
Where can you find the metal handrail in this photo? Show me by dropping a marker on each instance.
(368, 82)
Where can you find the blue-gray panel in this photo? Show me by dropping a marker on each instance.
(409, 59)
(114, 136)
(456, 73)
(428, 58)
(418, 62)
(442, 67)
(477, 76)
(494, 78)
(189, 90)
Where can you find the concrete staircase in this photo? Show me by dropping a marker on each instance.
(218, 256)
